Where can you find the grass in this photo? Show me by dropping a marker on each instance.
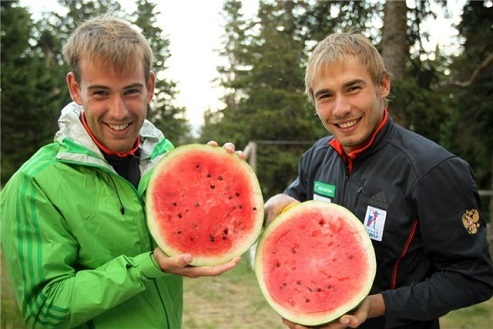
(234, 301)
(474, 317)
(231, 301)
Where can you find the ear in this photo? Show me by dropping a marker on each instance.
(385, 86)
(74, 88)
(150, 86)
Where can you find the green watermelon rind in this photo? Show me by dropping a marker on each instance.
(241, 167)
(314, 318)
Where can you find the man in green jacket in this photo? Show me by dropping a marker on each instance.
(73, 225)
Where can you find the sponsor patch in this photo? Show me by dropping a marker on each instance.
(375, 222)
(470, 219)
(323, 191)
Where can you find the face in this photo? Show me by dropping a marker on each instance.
(348, 103)
(115, 103)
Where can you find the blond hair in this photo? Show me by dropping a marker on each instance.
(336, 48)
(111, 41)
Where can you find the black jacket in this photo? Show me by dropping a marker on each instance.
(420, 206)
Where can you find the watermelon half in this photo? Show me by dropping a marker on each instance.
(204, 201)
(314, 263)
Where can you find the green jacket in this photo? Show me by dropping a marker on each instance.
(75, 258)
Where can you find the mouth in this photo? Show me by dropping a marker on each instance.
(348, 124)
(118, 127)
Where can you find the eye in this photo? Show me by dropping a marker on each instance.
(353, 88)
(132, 91)
(324, 96)
(100, 93)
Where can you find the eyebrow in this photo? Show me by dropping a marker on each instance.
(131, 86)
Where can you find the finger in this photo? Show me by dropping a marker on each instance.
(230, 147)
(212, 143)
(196, 271)
(349, 321)
(241, 155)
(292, 325)
(167, 264)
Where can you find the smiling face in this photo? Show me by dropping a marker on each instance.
(115, 102)
(348, 102)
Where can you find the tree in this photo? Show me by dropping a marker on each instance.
(166, 116)
(414, 104)
(29, 90)
(220, 125)
(395, 47)
(469, 131)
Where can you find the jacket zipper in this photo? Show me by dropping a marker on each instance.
(122, 208)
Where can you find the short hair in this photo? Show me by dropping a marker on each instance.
(335, 48)
(109, 40)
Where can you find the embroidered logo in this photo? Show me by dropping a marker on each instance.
(379, 200)
(375, 222)
(470, 220)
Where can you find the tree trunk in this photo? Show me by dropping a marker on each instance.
(491, 213)
(394, 46)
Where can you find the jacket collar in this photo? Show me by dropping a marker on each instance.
(367, 148)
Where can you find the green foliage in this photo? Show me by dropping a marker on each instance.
(426, 111)
(470, 127)
(31, 87)
(163, 113)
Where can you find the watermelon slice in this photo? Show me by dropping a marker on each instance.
(314, 263)
(204, 201)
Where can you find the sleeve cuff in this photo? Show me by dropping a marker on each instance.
(147, 266)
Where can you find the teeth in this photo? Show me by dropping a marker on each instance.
(348, 124)
(118, 127)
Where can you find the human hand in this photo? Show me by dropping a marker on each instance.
(180, 265)
(230, 147)
(371, 307)
(275, 205)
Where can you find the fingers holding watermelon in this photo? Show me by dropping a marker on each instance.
(180, 265)
(276, 205)
(230, 147)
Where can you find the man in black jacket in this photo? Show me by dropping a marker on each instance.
(430, 236)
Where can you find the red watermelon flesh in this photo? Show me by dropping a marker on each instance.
(204, 201)
(315, 262)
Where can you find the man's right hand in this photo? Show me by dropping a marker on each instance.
(275, 205)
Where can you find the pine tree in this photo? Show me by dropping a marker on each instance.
(163, 113)
(30, 90)
(470, 129)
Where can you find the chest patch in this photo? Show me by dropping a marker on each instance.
(323, 191)
(375, 222)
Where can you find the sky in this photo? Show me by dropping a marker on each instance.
(194, 29)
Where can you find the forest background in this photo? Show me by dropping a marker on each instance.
(445, 97)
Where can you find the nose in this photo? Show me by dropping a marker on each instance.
(341, 106)
(118, 107)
